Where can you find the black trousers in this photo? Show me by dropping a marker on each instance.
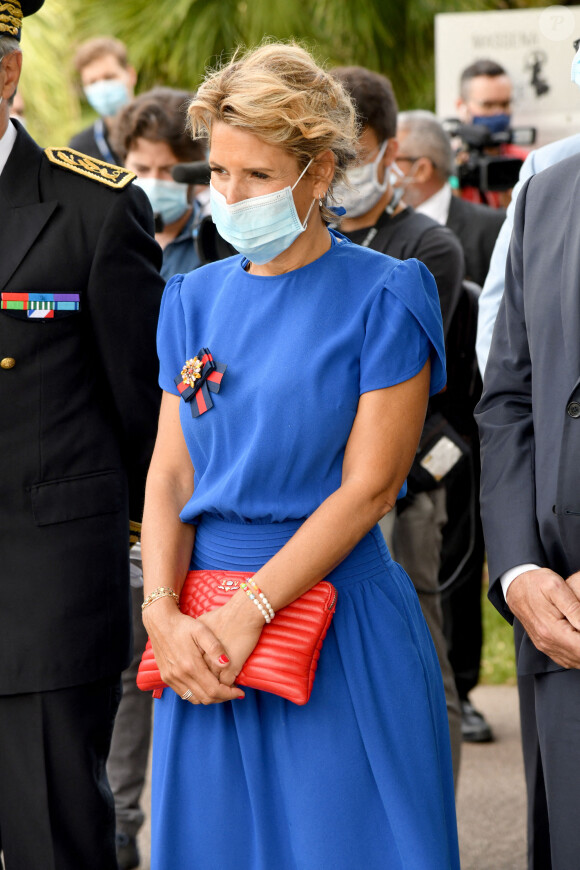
(550, 720)
(462, 618)
(56, 807)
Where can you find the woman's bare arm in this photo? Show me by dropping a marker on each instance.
(379, 453)
(186, 650)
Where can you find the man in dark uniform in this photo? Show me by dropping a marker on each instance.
(79, 297)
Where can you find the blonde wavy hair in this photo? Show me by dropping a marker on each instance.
(278, 93)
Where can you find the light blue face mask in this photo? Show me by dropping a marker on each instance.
(107, 96)
(261, 227)
(167, 198)
(575, 73)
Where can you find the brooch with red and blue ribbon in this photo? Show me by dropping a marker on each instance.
(199, 377)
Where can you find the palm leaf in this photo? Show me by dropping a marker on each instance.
(51, 100)
(172, 42)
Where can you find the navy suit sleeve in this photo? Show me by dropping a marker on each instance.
(124, 293)
(504, 416)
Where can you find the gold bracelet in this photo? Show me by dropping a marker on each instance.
(160, 592)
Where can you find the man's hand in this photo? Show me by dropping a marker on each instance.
(549, 609)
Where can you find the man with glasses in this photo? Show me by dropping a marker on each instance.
(426, 157)
(377, 217)
(529, 420)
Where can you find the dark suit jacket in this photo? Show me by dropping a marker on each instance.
(79, 408)
(529, 415)
(85, 141)
(410, 234)
(476, 227)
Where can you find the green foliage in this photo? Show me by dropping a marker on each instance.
(172, 42)
(498, 656)
(52, 104)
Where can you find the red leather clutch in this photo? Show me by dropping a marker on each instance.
(285, 658)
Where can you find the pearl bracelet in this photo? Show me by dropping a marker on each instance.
(259, 592)
(160, 592)
(268, 613)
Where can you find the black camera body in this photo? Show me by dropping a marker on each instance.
(488, 172)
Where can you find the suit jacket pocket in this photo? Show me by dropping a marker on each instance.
(74, 498)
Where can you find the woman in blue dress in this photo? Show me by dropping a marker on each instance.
(331, 351)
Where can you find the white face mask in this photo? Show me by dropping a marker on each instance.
(404, 183)
(261, 227)
(367, 187)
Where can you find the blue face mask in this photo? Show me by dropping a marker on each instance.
(167, 198)
(261, 227)
(494, 123)
(575, 73)
(107, 96)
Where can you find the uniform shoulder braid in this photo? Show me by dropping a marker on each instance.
(90, 167)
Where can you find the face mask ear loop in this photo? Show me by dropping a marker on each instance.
(394, 167)
(380, 156)
(305, 224)
(302, 173)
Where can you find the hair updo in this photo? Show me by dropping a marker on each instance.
(278, 93)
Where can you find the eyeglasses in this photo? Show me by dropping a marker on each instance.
(403, 157)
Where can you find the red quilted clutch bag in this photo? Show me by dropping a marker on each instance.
(285, 658)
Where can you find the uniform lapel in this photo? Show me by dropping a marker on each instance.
(22, 214)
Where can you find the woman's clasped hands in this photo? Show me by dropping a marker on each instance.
(201, 658)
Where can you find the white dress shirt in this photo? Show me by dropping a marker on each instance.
(493, 287)
(508, 576)
(6, 144)
(437, 206)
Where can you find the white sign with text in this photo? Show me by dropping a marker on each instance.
(535, 48)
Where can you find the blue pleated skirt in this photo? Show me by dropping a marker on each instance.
(359, 777)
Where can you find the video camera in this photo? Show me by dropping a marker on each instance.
(487, 171)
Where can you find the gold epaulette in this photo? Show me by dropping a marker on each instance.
(134, 533)
(10, 18)
(82, 164)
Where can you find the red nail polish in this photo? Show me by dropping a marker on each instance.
(224, 660)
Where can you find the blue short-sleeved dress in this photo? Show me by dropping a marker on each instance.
(359, 777)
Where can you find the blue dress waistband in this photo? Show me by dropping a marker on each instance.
(238, 546)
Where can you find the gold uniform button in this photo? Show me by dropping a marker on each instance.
(8, 362)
